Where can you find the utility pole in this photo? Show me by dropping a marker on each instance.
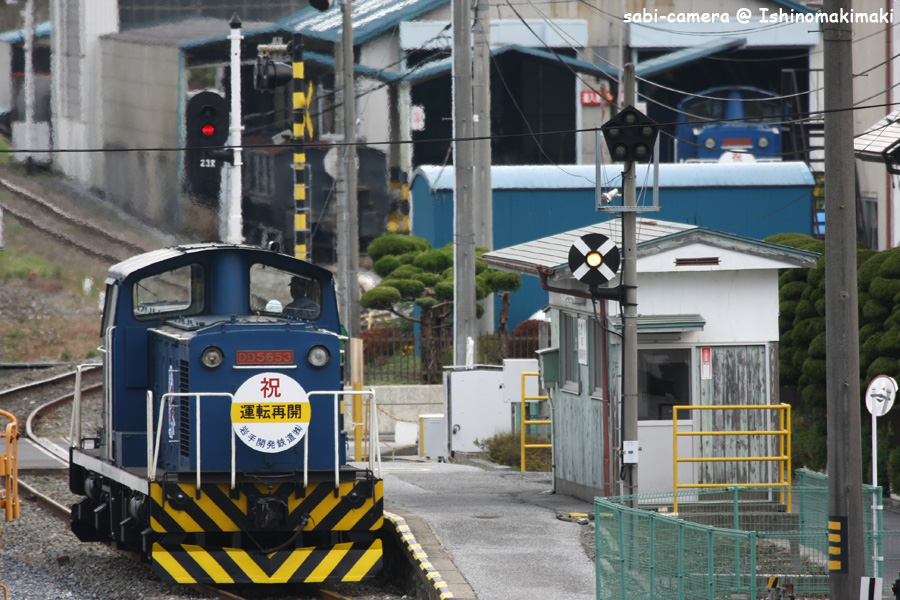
(464, 325)
(484, 202)
(629, 304)
(841, 319)
(484, 235)
(28, 79)
(233, 223)
(351, 247)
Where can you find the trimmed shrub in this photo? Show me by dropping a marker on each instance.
(408, 288)
(433, 261)
(395, 243)
(380, 297)
(384, 265)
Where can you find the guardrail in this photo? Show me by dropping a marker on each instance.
(783, 435)
(9, 468)
(524, 421)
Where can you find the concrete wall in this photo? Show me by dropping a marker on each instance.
(401, 404)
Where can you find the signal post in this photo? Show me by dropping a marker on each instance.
(630, 137)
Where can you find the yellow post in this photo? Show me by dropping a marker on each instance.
(356, 381)
(525, 421)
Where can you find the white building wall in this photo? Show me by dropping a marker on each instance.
(719, 298)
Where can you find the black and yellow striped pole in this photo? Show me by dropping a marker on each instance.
(302, 130)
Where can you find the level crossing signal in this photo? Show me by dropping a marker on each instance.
(594, 259)
(271, 74)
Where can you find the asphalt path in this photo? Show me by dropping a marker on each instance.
(499, 527)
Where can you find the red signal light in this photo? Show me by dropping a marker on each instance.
(208, 129)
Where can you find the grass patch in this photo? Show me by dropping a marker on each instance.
(5, 154)
(506, 449)
(14, 265)
(47, 312)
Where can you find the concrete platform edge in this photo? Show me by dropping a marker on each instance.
(414, 537)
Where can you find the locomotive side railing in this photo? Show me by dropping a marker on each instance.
(375, 456)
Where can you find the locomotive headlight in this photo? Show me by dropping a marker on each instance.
(212, 357)
(763, 142)
(710, 143)
(318, 356)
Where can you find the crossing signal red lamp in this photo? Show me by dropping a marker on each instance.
(630, 136)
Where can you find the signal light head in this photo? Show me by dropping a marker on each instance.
(593, 259)
(630, 135)
(208, 129)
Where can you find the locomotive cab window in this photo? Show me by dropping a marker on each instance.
(283, 293)
(177, 292)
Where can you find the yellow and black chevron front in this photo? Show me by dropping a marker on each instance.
(175, 508)
(183, 563)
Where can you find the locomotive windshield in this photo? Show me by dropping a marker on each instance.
(172, 293)
(279, 292)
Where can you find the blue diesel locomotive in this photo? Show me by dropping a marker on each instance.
(221, 456)
(740, 119)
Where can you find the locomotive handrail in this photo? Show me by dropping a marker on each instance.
(75, 429)
(373, 424)
(153, 447)
(151, 466)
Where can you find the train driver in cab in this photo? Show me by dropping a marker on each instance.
(301, 306)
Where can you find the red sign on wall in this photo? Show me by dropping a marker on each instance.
(705, 363)
(591, 98)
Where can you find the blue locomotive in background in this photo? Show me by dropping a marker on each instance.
(735, 118)
(221, 456)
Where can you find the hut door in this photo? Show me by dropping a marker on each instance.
(732, 375)
(665, 378)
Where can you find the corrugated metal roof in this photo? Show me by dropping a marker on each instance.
(444, 65)
(188, 33)
(370, 18)
(872, 143)
(328, 61)
(672, 60)
(17, 36)
(671, 175)
(552, 252)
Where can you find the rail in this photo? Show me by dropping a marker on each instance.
(524, 421)
(783, 435)
(9, 468)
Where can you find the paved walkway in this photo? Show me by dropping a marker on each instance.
(493, 534)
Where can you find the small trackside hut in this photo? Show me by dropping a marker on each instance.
(707, 334)
(220, 457)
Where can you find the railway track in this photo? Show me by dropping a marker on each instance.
(38, 213)
(33, 487)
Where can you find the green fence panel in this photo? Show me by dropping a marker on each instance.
(726, 543)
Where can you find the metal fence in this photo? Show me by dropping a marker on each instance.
(394, 358)
(726, 543)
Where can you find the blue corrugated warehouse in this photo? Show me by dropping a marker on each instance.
(754, 200)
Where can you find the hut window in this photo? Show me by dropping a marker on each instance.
(664, 381)
(568, 354)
